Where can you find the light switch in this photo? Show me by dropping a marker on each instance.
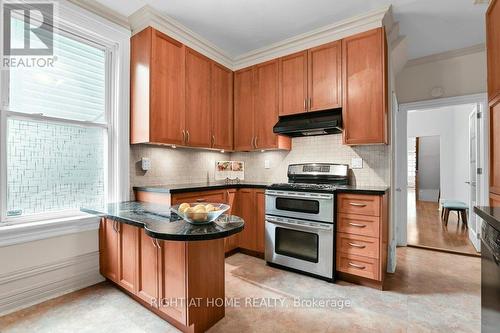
(145, 163)
(356, 163)
(267, 165)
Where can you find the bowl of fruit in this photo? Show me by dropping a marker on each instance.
(200, 213)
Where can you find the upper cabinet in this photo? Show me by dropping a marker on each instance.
(311, 80)
(157, 89)
(178, 96)
(493, 48)
(256, 108)
(364, 78)
(222, 107)
(198, 117)
(325, 77)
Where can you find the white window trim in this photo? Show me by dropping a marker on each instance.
(116, 38)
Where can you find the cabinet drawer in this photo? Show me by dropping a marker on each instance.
(206, 196)
(358, 265)
(358, 224)
(359, 204)
(358, 245)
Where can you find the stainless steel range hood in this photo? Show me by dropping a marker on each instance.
(310, 123)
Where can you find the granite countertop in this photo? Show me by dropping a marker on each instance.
(193, 187)
(159, 223)
(490, 214)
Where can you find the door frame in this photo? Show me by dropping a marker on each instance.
(401, 157)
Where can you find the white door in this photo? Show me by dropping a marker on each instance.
(474, 184)
(400, 174)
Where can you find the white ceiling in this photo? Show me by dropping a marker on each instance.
(239, 26)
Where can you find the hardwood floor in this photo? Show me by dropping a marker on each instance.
(426, 229)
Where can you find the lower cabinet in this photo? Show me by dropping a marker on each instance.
(250, 207)
(361, 238)
(108, 248)
(147, 272)
(172, 283)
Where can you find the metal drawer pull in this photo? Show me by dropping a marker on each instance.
(357, 245)
(357, 204)
(157, 244)
(201, 200)
(357, 266)
(357, 225)
(153, 241)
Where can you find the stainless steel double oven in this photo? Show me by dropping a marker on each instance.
(300, 230)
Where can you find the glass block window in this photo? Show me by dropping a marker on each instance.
(56, 131)
(53, 167)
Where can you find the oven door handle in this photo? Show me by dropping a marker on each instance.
(310, 227)
(300, 196)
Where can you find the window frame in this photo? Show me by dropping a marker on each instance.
(89, 28)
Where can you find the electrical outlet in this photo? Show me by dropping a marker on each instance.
(267, 165)
(145, 163)
(356, 163)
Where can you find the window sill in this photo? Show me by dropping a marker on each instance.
(32, 231)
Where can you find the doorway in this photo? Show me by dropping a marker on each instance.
(455, 136)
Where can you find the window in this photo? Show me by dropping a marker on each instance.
(56, 138)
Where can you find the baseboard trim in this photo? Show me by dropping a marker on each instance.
(58, 278)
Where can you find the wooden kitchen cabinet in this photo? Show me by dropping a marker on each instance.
(266, 104)
(361, 238)
(293, 84)
(494, 118)
(243, 110)
(325, 77)
(147, 268)
(202, 196)
(364, 78)
(108, 248)
(172, 284)
(231, 243)
(157, 91)
(493, 48)
(127, 256)
(251, 208)
(198, 99)
(256, 108)
(260, 219)
(222, 107)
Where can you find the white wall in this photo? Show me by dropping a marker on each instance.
(451, 124)
(428, 168)
(460, 75)
(35, 271)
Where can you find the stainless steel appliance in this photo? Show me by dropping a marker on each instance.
(490, 279)
(300, 219)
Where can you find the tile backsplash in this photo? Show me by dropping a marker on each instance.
(177, 166)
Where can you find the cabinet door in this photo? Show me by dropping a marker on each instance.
(173, 279)
(127, 256)
(364, 88)
(167, 90)
(222, 107)
(243, 110)
(198, 119)
(266, 104)
(493, 48)
(108, 259)
(293, 84)
(260, 216)
(231, 242)
(325, 77)
(246, 210)
(147, 279)
(495, 147)
(218, 196)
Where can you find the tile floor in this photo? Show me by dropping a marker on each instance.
(431, 292)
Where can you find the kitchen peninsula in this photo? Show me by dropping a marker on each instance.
(172, 267)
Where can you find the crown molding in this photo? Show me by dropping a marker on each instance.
(103, 11)
(447, 55)
(147, 16)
